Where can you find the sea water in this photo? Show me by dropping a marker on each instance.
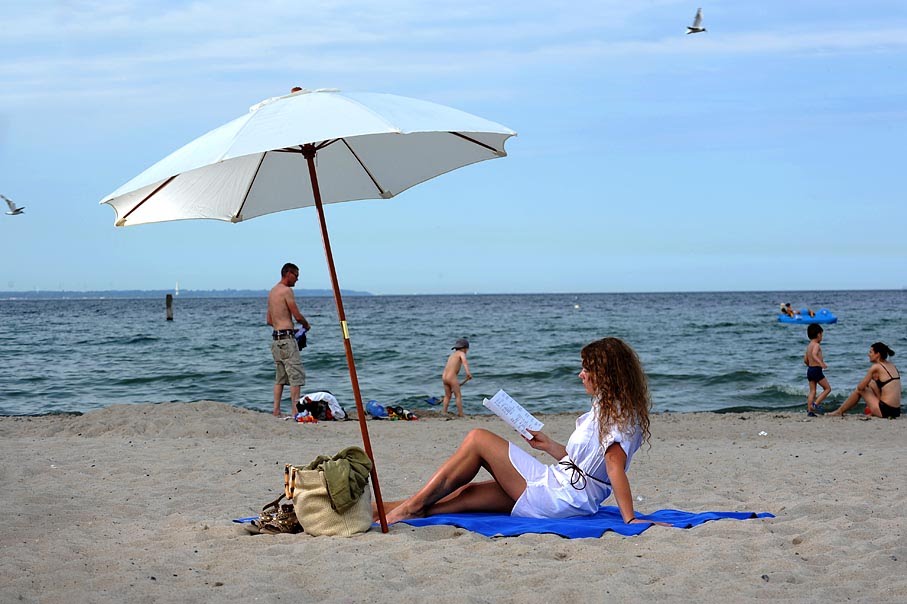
(701, 351)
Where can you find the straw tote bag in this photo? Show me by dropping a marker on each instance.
(309, 492)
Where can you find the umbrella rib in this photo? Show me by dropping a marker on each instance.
(122, 221)
(384, 194)
(238, 216)
(479, 143)
(318, 147)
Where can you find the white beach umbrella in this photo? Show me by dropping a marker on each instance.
(366, 145)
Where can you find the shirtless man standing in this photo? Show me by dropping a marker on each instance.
(282, 310)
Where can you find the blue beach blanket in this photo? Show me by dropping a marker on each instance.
(607, 519)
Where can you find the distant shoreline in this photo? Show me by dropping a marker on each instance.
(160, 293)
(261, 293)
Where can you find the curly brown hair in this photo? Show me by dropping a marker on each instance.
(620, 384)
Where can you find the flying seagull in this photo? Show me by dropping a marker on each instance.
(13, 210)
(697, 24)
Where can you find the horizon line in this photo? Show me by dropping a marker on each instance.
(329, 292)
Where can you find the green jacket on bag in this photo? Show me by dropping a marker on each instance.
(346, 476)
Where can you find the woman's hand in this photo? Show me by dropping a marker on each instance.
(641, 521)
(543, 442)
(539, 440)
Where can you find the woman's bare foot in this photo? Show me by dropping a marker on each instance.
(388, 507)
(404, 512)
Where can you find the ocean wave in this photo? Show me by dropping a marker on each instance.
(163, 378)
(734, 377)
(703, 326)
(730, 379)
(783, 389)
(555, 373)
(120, 340)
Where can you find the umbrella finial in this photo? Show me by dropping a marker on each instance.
(293, 90)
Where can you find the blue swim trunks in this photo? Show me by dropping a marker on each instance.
(814, 374)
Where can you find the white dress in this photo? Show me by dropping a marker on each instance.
(549, 493)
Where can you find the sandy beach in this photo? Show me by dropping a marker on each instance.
(134, 502)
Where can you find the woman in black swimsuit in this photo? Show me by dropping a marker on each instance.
(880, 388)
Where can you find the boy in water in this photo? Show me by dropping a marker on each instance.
(814, 366)
(450, 377)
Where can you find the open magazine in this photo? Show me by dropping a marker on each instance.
(502, 405)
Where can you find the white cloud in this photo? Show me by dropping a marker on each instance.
(124, 46)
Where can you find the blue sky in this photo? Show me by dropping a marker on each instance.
(765, 154)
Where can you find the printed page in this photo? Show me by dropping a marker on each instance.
(513, 413)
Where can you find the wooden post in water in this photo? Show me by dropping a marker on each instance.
(169, 307)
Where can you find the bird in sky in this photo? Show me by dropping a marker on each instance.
(13, 210)
(697, 24)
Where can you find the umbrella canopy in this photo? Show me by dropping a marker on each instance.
(310, 148)
(369, 146)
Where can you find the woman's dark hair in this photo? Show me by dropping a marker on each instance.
(882, 350)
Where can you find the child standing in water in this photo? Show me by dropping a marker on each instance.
(814, 366)
(450, 377)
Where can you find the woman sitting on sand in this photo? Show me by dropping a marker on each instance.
(880, 387)
(592, 464)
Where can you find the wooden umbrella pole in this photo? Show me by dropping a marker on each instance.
(309, 153)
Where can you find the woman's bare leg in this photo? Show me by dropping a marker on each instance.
(486, 496)
(870, 394)
(847, 405)
(448, 487)
(872, 403)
